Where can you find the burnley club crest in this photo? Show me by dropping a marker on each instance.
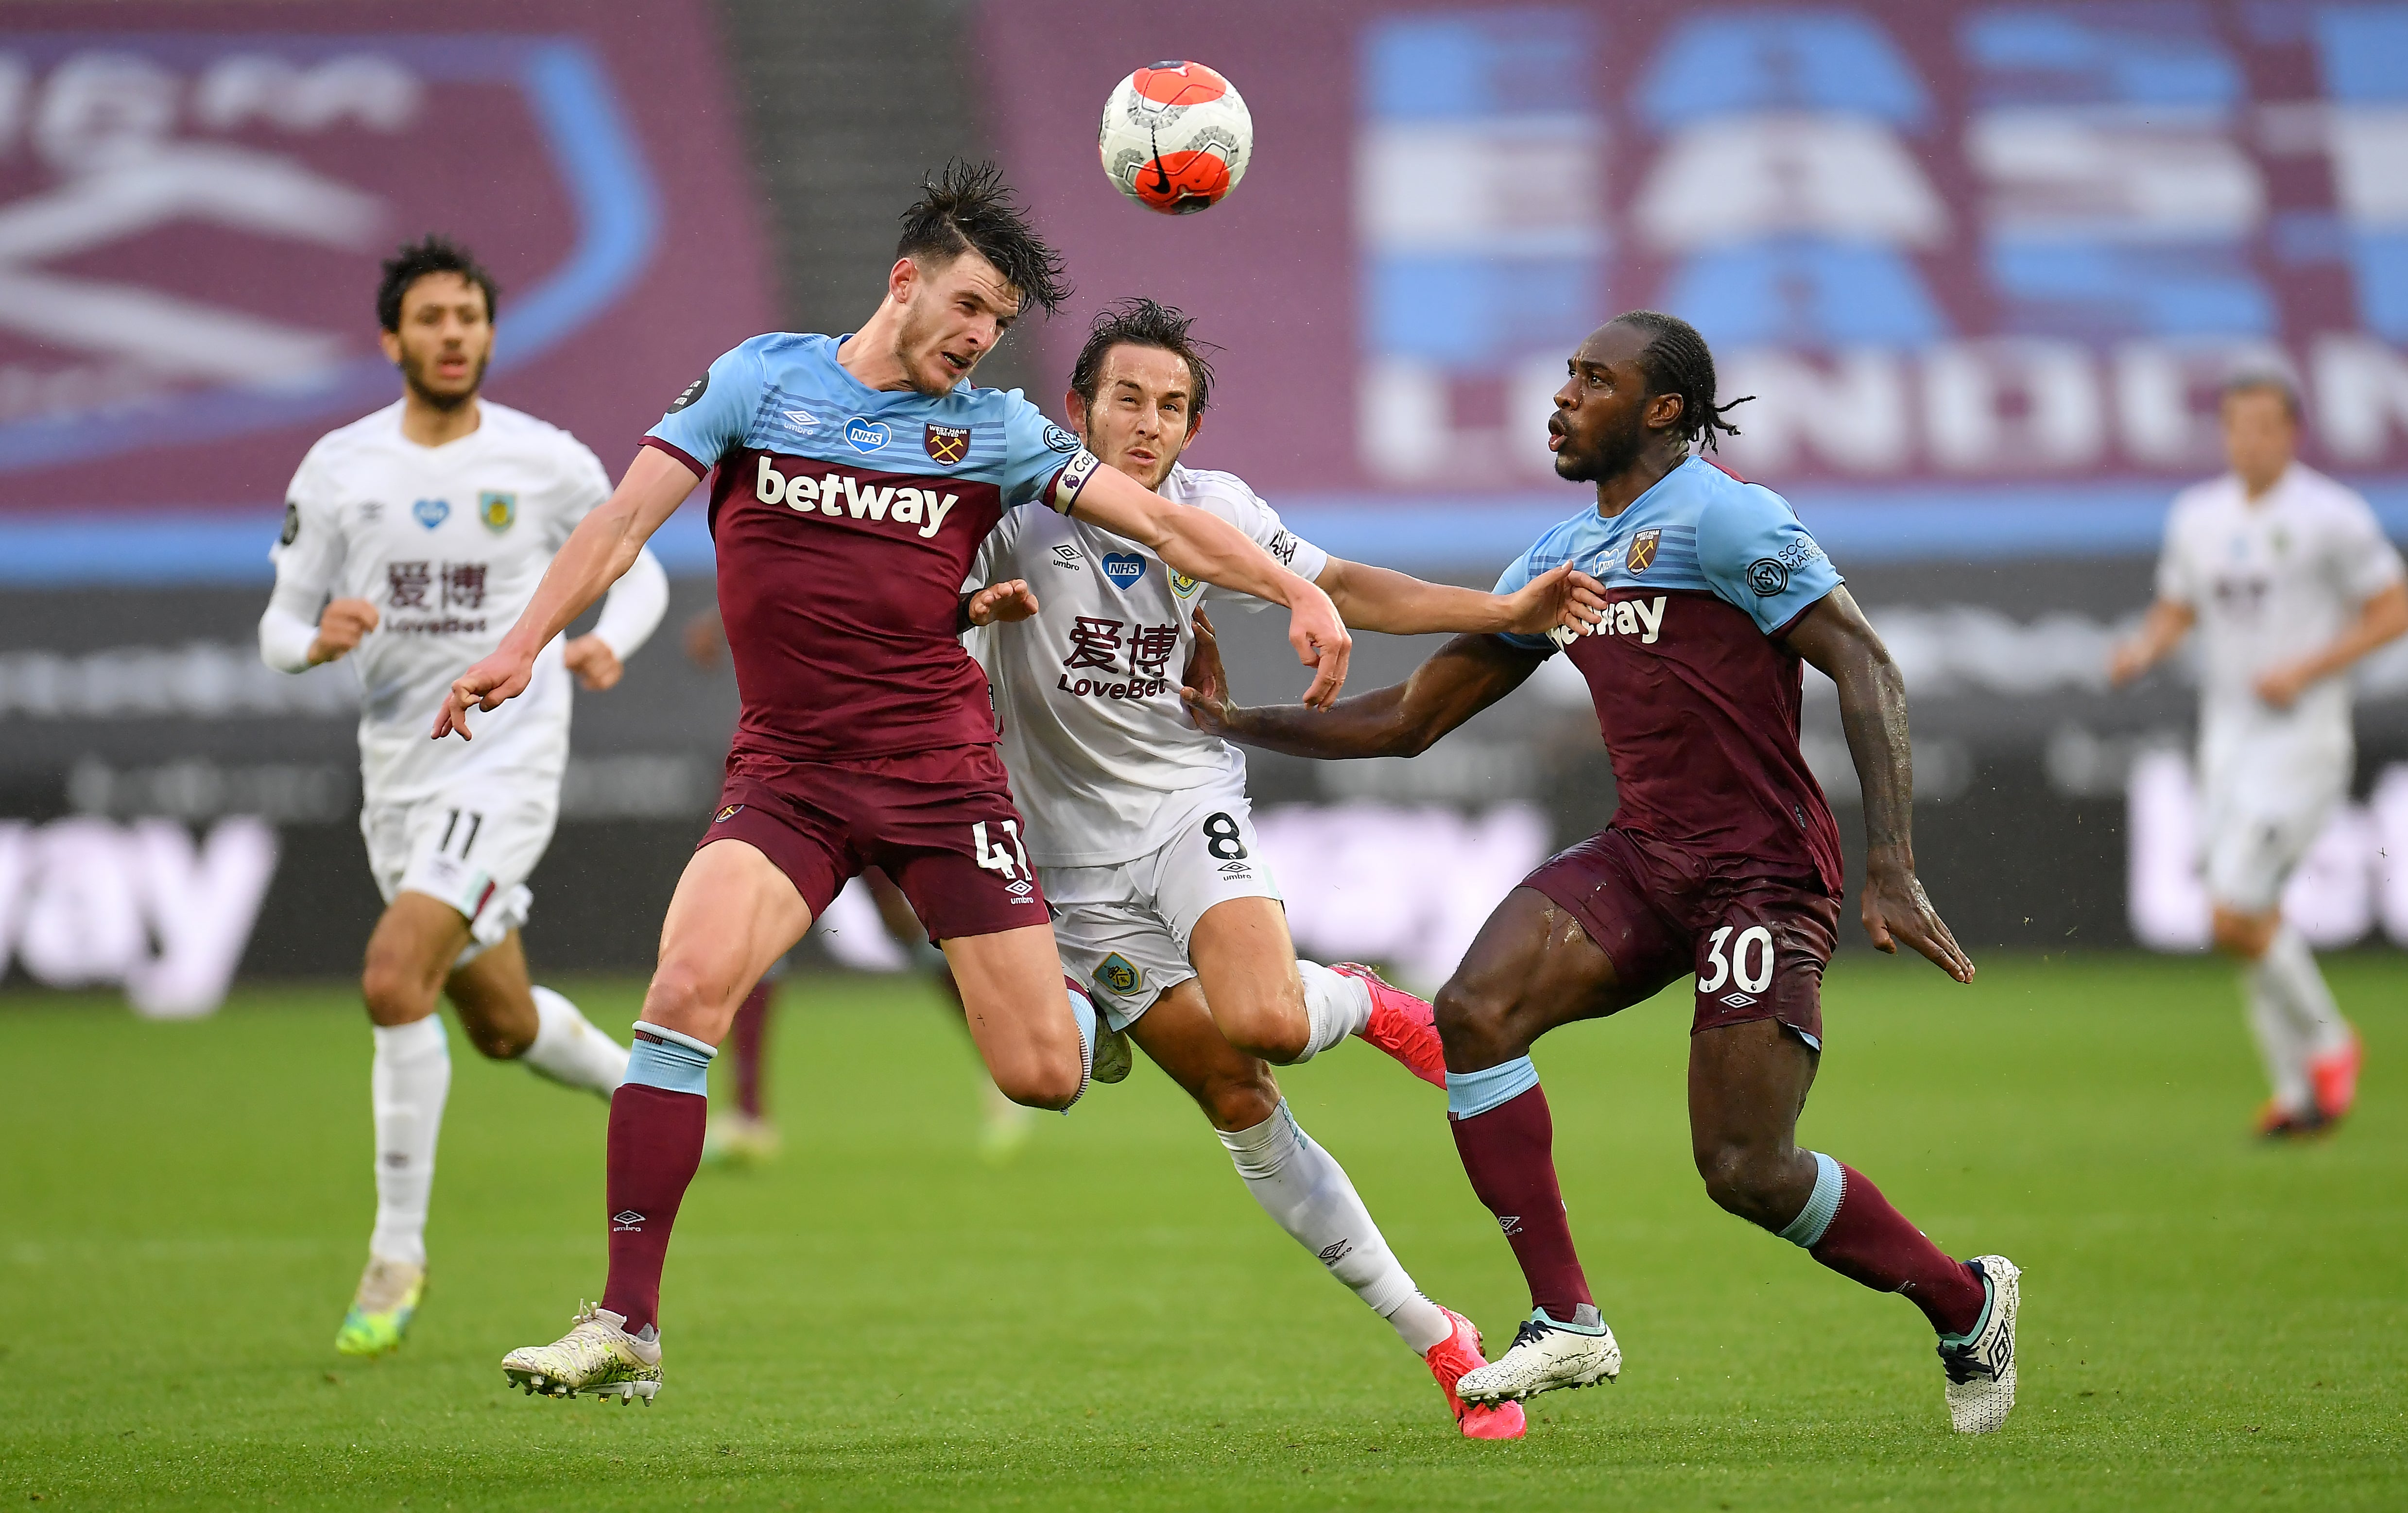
(947, 444)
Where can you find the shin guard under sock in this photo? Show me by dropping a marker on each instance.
(656, 1127)
(1849, 1226)
(1507, 1144)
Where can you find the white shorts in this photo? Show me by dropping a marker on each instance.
(1123, 929)
(472, 848)
(2265, 799)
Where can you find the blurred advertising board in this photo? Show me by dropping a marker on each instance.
(194, 199)
(1982, 264)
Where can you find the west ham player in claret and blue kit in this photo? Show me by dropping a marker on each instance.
(1722, 860)
(855, 478)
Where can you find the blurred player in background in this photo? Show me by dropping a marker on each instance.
(745, 1134)
(855, 478)
(1722, 858)
(1164, 909)
(429, 524)
(2290, 581)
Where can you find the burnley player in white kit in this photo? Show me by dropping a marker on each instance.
(421, 529)
(2288, 579)
(1165, 909)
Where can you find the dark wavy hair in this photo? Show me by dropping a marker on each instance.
(1145, 322)
(1676, 362)
(431, 254)
(969, 207)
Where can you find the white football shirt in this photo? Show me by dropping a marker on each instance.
(2272, 581)
(1086, 691)
(448, 542)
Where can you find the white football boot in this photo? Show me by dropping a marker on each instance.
(1546, 1355)
(1982, 1366)
(597, 1355)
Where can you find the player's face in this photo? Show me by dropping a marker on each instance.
(2259, 435)
(1601, 420)
(951, 316)
(445, 340)
(1143, 416)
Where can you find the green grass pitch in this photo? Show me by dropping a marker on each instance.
(880, 1320)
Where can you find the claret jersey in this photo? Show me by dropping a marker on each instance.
(1087, 690)
(1695, 696)
(845, 519)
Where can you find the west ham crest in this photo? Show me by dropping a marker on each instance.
(947, 444)
(1642, 551)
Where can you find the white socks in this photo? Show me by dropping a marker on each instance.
(1303, 1188)
(1335, 1005)
(2293, 1015)
(408, 1081)
(570, 1050)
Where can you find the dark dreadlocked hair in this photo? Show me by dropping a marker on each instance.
(1143, 323)
(1676, 362)
(969, 207)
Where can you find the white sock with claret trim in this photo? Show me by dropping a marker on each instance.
(570, 1050)
(409, 1080)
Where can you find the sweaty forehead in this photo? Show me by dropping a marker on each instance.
(1611, 345)
(1148, 368)
(974, 274)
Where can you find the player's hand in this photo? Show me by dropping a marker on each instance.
(1564, 598)
(705, 640)
(2280, 687)
(2127, 662)
(502, 675)
(1896, 910)
(598, 667)
(1320, 642)
(1009, 601)
(1204, 686)
(341, 628)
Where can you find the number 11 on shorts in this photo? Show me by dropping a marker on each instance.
(995, 858)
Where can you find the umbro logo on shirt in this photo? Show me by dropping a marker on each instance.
(803, 420)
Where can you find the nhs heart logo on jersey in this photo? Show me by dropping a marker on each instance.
(865, 436)
(1123, 568)
(432, 512)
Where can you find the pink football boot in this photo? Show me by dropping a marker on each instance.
(1449, 1359)
(1401, 1024)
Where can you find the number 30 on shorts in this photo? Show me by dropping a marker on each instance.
(1749, 965)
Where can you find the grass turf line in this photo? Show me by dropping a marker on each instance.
(880, 1320)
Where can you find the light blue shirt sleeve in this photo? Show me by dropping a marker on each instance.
(1513, 580)
(1757, 555)
(1035, 451)
(710, 418)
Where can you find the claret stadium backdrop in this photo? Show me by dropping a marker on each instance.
(1982, 267)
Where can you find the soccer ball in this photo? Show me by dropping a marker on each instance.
(1176, 138)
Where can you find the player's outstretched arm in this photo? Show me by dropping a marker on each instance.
(1204, 545)
(1834, 635)
(1466, 676)
(2161, 630)
(602, 547)
(1382, 599)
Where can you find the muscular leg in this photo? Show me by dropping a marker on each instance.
(1019, 1014)
(1531, 969)
(1242, 954)
(1299, 1183)
(1747, 1085)
(733, 914)
(509, 1017)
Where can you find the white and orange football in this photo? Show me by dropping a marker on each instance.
(1176, 138)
